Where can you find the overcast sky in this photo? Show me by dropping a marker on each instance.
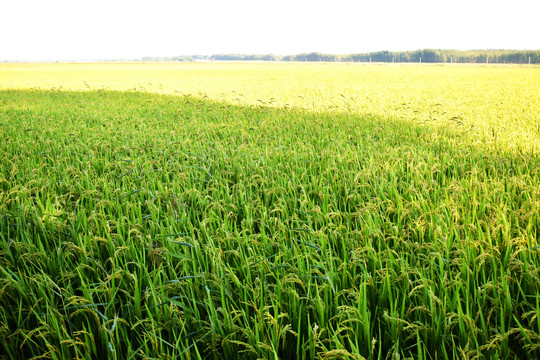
(120, 29)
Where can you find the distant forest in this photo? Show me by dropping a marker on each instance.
(417, 56)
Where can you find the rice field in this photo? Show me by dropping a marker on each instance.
(269, 211)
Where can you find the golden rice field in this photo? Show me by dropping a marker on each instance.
(269, 211)
(494, 102)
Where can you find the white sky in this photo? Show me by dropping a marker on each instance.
(130, 29)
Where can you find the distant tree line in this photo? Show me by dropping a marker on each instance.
(416, 56)
(218, 57)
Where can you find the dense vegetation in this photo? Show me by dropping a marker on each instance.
(139, 225)
(416, 56)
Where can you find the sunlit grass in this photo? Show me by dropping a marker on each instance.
(139, 225)
(497, 104)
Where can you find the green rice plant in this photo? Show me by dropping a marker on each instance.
(139, 225)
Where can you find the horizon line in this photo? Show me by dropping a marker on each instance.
(208, 56)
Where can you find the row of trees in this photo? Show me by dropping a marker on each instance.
(417, 56)
(449, 56)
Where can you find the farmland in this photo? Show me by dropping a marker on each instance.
(223, 210)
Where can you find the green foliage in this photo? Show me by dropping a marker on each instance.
(430, 56)
(424, 56)
(136, 225)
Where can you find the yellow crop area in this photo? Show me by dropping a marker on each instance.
(498, 105)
